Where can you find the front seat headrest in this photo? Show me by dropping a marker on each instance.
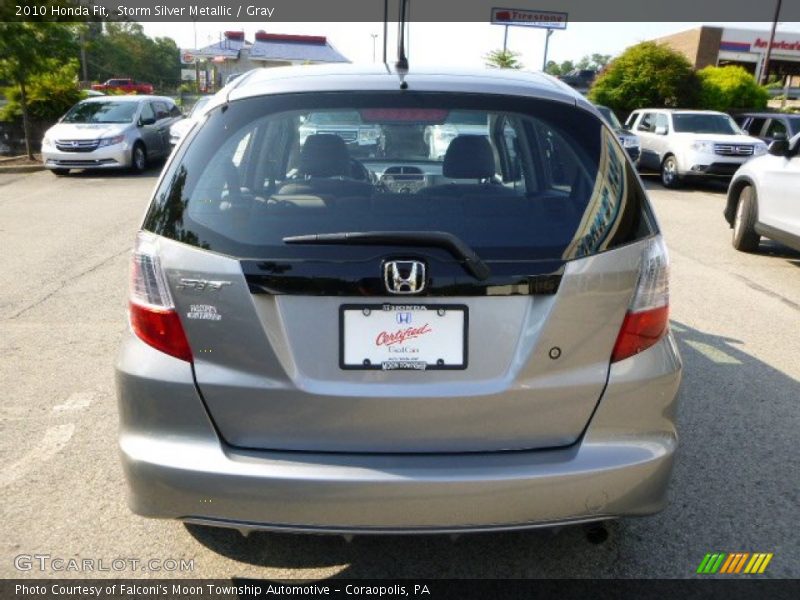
(469, 157)
(324, 155)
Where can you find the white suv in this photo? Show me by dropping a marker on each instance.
(764, 198)
(691, 143)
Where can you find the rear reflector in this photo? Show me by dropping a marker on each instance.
(647, 319)
(152, 313)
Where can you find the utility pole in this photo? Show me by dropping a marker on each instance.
(84, 66)
(374, 46)
(765, 66)
(546, 44)
(196, 65)
(505, 39)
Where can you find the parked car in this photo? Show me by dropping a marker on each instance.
(180, 128)
(764, 198)
(683, 144)
(438, 137)
(769, 126)
(110, 132)
(361, 139)
(128, 86)
(627, 138)
(580, 79)
(317, 348)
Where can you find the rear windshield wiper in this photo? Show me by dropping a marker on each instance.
(433, 239)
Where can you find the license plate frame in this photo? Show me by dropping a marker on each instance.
(387, 308)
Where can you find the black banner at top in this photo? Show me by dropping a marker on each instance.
(443, 11)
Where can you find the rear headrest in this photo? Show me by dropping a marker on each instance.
(468, 157)
(324, 155)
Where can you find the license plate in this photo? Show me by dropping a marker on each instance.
(409, 336)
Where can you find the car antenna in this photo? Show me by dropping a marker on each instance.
(402, 60)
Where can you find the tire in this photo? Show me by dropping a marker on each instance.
(59, 172)
(745, 238)
(669, 173)
(138, 158)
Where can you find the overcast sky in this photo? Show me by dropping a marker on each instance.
(457, 44)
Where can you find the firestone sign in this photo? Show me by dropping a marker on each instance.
(529, 18)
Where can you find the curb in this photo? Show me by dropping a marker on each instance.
(21, 169)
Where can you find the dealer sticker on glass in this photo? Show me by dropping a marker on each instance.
(412, 336)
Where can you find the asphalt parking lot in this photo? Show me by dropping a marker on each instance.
(63, 287)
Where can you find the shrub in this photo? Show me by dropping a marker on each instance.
(50, 94)
(724, 88)
(647, 74)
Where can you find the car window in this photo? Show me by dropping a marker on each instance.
(546, 180)
(147, 111)
(755, 125)
(198, 106)
(161, 110)
(776, 128)
(174, 111)
(662, 121)
(704, 123)
(631, 120)
(610, 117)
(794, 124)
(101, 112)
(647, 123)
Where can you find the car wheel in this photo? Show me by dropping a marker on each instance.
(745, 237)
(59, 172)
(669, 173)
(139, 158)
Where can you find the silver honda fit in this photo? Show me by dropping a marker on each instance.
(476, 340)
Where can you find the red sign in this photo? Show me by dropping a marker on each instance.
(777, 44)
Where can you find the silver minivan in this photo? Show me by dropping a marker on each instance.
(110, 132)
(403, 343)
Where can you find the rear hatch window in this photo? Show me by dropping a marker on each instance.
(513, 178)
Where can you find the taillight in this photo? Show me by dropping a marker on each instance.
(152, 313)
(647, 318)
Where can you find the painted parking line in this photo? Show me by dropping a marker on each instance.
(713, 353)
(75, 401)
(55, 438)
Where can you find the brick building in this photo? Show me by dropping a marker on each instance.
(721, 46)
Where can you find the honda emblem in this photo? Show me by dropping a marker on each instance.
(404, 276)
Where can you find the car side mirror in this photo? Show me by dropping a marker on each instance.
(661, 130)
(779, 147)
(146, 121)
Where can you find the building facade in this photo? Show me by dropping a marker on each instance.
(233, 54)
(720, 46)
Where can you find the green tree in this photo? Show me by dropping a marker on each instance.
(503, 59)
(600, 61)
(50, 94)
(724, 88)
(556, 69)
(28, 49)
(647, 74)
(123, 50)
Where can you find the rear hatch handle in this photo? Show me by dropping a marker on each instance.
(471, 262)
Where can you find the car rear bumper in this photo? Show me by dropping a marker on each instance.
(110, 157)
(177, 467)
